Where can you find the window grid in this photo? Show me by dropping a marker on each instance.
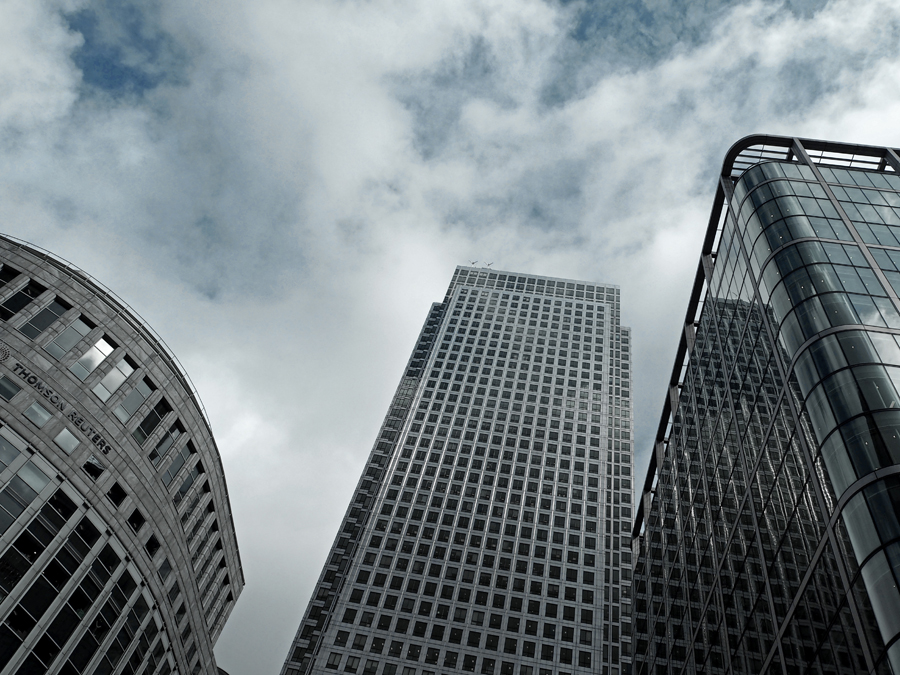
(493, 512)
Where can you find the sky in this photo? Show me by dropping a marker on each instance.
(282, 188)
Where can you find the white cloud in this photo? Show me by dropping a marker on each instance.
(37, 81)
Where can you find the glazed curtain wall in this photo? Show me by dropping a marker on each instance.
(774, 540)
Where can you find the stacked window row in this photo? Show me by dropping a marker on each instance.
(692, 494)
(56, 579)
(548, 287)
(557, 312)
(618, 367)
(422, 455)
(345, 546)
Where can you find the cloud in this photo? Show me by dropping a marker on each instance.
(37, 80)
(283, 188)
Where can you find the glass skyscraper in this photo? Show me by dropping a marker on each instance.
(117, 547)
(767, 535)
(489, 532)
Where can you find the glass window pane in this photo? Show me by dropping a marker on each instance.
(38, 415)
(35, 478)
(66, 440)
(8, 388)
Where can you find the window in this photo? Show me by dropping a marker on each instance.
(70, 337)
(136, 520)
(19, 300)
(37, 415)
(7, 274)
(9, 452)
(178, 461)
(114, 379)
(93, 468)
(183, 489)
(92, 358)
(152, 545)
(42, 320)
(133, 401)
(31, 476)
(8, 388)
(66, 440)
(165, 443)
(116, 494)
(334, 660)
(151, 421)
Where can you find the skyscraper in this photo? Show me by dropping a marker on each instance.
(117, 546)
(488, 532)
(767, 530)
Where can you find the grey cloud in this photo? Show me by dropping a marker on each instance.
(677, 95)
(152, 146)
(201, 180)
(546, 198)
(435, 97)
(607, 37)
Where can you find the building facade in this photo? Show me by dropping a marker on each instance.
(117, 547)
(767, 535)
(489, 530)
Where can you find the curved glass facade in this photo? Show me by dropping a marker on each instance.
(117, 547)
(768, 536)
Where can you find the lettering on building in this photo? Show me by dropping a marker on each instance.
(74, 416)
(40, 386)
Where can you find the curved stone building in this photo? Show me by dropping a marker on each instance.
(768, 531)
(117, 547)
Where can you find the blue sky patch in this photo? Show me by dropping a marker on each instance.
(125, 51)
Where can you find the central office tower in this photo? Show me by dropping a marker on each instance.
(489, 531)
